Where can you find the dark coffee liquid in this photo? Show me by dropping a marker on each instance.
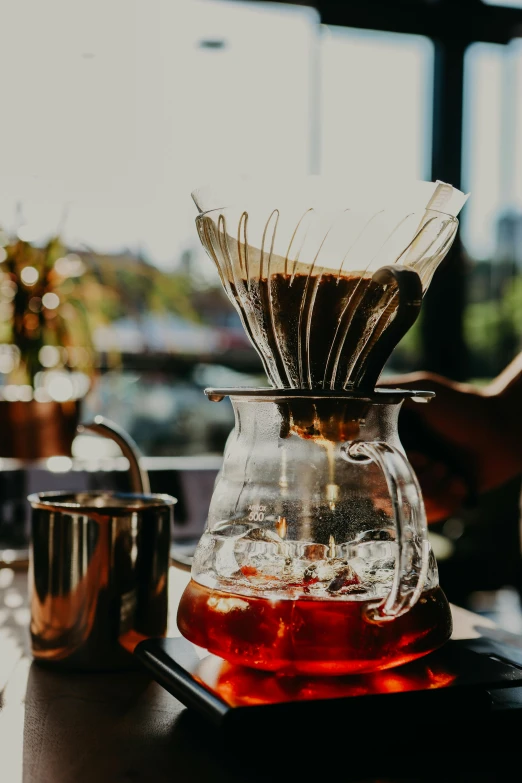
(310, 636)
(316, 330)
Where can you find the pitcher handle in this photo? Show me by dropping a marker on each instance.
(413, 548)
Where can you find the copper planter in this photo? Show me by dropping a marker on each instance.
(37, 430)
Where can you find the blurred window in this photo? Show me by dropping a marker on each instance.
(120, 109)
(505, 3)
(492, 220)
(116, 111)
(376, 103)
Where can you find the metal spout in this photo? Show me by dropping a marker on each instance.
(138, 475)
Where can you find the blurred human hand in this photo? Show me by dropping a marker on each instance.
(461, 443)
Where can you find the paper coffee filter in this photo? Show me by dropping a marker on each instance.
(320, 223)
(327, 194)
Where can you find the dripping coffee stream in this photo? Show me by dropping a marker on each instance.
(315, 557)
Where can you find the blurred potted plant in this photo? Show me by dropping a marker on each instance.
(47, 356)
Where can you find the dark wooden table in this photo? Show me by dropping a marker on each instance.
(109, 728)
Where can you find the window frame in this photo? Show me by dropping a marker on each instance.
(452, 26)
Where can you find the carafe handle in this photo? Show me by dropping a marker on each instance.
(413, 548)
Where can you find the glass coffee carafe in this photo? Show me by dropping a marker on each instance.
(315, 558)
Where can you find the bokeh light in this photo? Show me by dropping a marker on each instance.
(50, 300)
(59, 464)
(49, 356)
(29, 275)
(60, 388)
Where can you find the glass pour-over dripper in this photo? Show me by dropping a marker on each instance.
(299, 261)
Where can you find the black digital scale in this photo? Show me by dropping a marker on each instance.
(455, 714)
(464, 679)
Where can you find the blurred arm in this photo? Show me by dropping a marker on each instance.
(480, 429)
